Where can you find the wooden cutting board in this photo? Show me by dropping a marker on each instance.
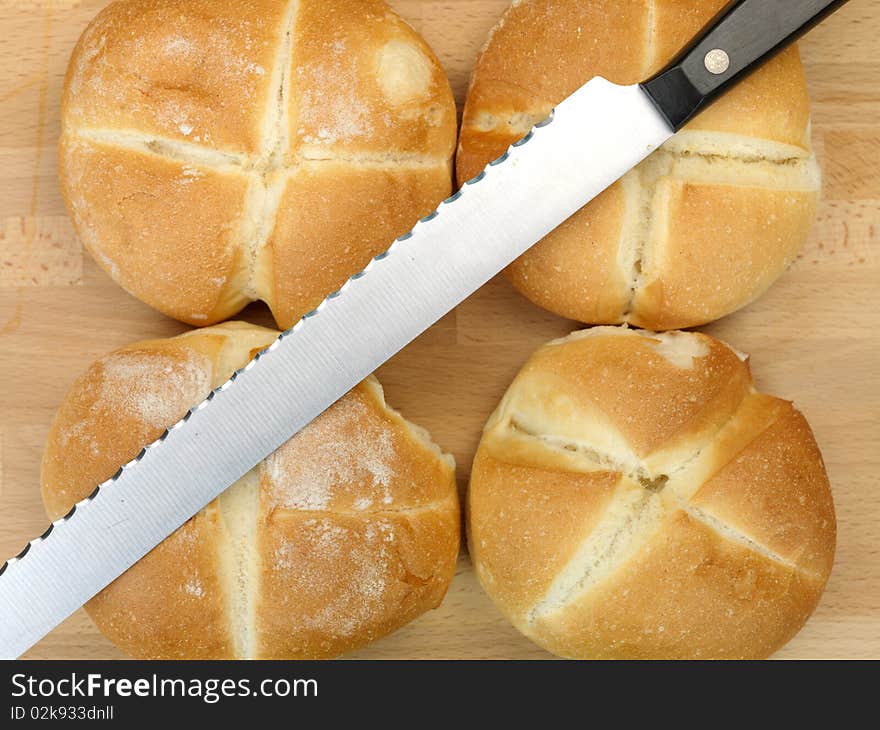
(813, 338)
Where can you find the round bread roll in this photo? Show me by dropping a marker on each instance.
(700, 228)
(347, 532)
(634, 497)
(214, 153)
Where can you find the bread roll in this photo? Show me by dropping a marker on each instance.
(700, 228)
(347, 532)
(214, 153)
(634, 497)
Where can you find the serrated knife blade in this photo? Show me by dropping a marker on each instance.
(516, 201)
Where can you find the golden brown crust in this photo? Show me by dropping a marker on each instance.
(634, 497)
(548, 49)
(122, 402)
(689, 594)
(197, 72)
(174, 159)
(632, 254)
(224, 584)
(602, 376)
(586, 242)
(776, 490)
(338, 582)
(171, 604)
(127, 203)
(679, 289)
(379, 204)
(365, 83)
(513, 511)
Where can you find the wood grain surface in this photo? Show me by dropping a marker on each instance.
(813, 338)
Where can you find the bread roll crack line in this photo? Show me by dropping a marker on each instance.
(651, 61)
(189, 153)
(266, 188)
(229, 160)
(653, 477)
(239, 559)
(382, 510)
(632, 518)
(639, 193)
(643, 502)
(734, 535)
(647, 200)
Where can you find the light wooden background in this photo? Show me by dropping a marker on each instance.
(813, 337)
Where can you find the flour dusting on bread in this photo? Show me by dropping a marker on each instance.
(330, 101)
(151, 387)
(345, 447)
(348, 607)
(345, 533)
(154, 388)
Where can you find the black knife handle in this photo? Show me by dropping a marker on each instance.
(738, 40)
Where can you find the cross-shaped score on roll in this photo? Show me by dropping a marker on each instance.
(213, 154)
(342, 535)
(697, 230)
(634, 496)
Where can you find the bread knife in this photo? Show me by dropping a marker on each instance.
(589, 140)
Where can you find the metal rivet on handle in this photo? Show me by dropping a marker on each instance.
(717, 61)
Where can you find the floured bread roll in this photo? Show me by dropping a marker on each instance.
(214, 153)
(699, 229)
(633, 497)
(344, 534)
